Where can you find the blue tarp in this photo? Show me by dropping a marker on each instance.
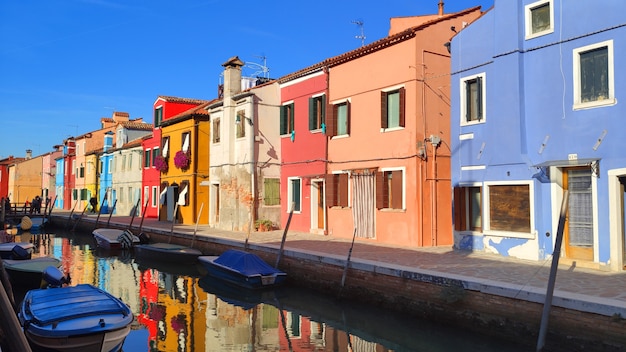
(246, 263)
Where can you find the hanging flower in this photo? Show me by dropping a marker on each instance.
(182, 159)
(160, 163)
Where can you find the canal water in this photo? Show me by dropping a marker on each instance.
(180, 309)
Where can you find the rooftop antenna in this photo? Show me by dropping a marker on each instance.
(262, 70)
(362, 36)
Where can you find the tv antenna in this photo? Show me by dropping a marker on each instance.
(362, 36)
(262, 70)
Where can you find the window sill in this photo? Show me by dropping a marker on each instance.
(539, 34)
(472, 123)
(341, 136)
(594, 104)
(391, 129)
(392, 210)
(530, 236)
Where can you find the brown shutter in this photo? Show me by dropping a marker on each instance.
(331, 122)
(402, 105)
(383, 110)
(331, 193)
(380, 190)
(396, 189)
(459, 209)
(348, 117)
(342, 187)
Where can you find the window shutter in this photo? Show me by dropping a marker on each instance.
(331, 126)
(402, 105)
(383, 110)
(468, 101)
(323, 107)
(331, 199)
(292, 119)
(283, 120)
(348, 117)
(479, 98)
(312, 114)
(380, 190)
(343, 189)
(459, 209)
(396, 189)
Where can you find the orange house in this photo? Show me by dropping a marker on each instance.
(388, 176)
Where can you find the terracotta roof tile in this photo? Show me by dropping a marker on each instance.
(181, 100)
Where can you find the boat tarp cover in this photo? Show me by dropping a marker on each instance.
(246, 263)
(65, 303)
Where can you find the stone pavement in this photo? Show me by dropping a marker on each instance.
(576, 287)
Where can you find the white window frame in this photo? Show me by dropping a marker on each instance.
(463, 99)
(528, 9)
(290, 194)
(576, 76)
(403, 169)
(155, 196)
(487, 207)
(392, 90)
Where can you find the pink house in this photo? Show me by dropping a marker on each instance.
(303, 149)
(388, 124)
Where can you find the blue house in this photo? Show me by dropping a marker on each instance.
(106, 175)
(535, 113)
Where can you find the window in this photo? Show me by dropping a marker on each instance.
(508, 208)
(154, 197)
(337, 190)
(339, 121)
(240, 124)
(271, 191)
(81, 171)
(539, 18)
(216, 130)
(186, 138)
(593, 75)
(155, 153)
(468, 209)
(295, 194)
(392, 108)
(110, 165)
(158, 116)
(74, 194)
(146, 157)
(390, 189)
(183, 193)
(130, 161)
(317, 112)
(123, 166)
(287, 119)
(473, 99)
(74, 167)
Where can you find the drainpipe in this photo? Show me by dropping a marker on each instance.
(327, 72)
(253, 128)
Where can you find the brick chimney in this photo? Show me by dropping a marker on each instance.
(440, 7)
(232, 77)
(29, 154)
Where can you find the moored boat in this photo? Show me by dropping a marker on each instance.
(28, 273)
(16, 250)
(115, 238)
(167, 252)
(75, 318)
(243, 269)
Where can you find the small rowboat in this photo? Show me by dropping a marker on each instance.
(28, 273)
(243, 269)
(168, 252)
(115, 239)
(16, 250)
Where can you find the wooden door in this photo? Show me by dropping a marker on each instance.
(578, 232)
(320, 204)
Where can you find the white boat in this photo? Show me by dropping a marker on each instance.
(115, 238)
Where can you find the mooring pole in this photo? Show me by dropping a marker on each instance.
(282, 243)
(345, 268)
(545, 316)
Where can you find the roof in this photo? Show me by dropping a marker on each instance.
(195, 112)
(134, 125)
(375, 46)
(172, 99)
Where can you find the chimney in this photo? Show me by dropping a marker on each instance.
(29, 154)
(440, 7)
(232, 76)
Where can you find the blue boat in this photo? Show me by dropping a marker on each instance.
(243, 269)
(16, 250)
(28, 273)
(75, 318)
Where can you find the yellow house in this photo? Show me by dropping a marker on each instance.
(185, 140)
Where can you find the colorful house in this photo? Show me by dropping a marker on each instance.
(388, 174)
(185, 139)
(535, 116)
(48, 172)
(245, 152)
(164, 108)
(4, 175)
(303, 148)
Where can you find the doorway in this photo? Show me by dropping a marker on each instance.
(578, 231)
(318, 215)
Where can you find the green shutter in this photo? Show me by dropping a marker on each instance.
(283, 120)
(479, 98)
(292, 118)
(312, 114)
(272, 191)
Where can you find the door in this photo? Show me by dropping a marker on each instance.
(319, 185)
(578, 232)
(622, 190)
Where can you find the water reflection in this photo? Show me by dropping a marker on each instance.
(178, 309)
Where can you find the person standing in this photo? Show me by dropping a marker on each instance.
(94, 203)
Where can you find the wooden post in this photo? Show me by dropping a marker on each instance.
(173, 222)
(10, 325)
(282, 243)
(100, 209)
(143, 215)
(345, 268)
(111, 213)
(134, 212)
(193, 239)
(80, 218)
(69, 219)
(545, 316)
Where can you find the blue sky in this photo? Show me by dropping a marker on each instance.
(65, 64)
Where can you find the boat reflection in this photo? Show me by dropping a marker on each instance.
(176, 309)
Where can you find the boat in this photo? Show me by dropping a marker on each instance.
(75, 318)
(16, 250)
(167, 252)
(243, 269)
(29, 272)
(115, 238)
(33, 225)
